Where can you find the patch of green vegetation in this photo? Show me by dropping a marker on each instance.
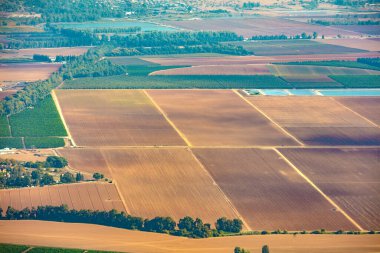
(177, 82)
(146, 70)
(10, 248)
(359, 81)
(130, 60)
(16, 60)
(44, 142)
(315, 85)
(4, 128)
(10, 142)
(41, 121)
(348, 64)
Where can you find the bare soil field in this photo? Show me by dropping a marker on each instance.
(319, 120)
(26, 72)
(161, 182)
(249, 27)
(218, 117)
(59, 234)
(368, 107)
(349, 176)
(233, 60)
(28, 53)
(364, 44)
(363, 29)
(93, 196)
(256, 69)
(115, 118)
(29, 155)
(300, 70)
(268, 193)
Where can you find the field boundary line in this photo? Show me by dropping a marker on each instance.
(356, 113)
(182, 135)
(266, 116)
(234, 209)
(59, 109)
(332, 202)
(115, 182)
(9, 126)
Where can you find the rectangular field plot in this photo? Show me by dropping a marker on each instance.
(166, 182)
(28, 72)
(93, 196)
(114, 118)
(368, 107)
(319, 120)
(267, 192)
(351, 177)
(218, 117)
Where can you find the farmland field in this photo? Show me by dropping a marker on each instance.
(177, 82)
(159, 182)
(267, 192)
(44, 142)
(365, 106)
(347, 64)
(115, 118)
(304, 70)
(358, 81)
(311, 81)
(93, 196)
(59, 234)
(26, 72)
(349, 176)
(292, 47)
(366, 29)
(364, 44)
(4, 127)
(319, 120)
(217, 117)
(10, 142)
(254, 69)
(28, 53)
(259, 26)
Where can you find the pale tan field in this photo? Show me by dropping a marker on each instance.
(256, 69)
(268, 193)
(218, 117)
(93, 196)
(114, 118)
(233, 60)
(162, 182)
(319, 120)
(28, 53)
(351, 177)
(364, 44)
(26, 72)
(29, 155)
(57, 234)
(365, 106)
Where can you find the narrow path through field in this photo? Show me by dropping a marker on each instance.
(266, 116)
(27, 250)
(222, 192)
(319, 190)
(9, 126)
(59, 109)
(168, 120)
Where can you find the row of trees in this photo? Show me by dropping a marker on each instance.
(285, 37)
(186, 226)
(343, 22)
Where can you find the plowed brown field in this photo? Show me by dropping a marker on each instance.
(115, 118)
(218, 117)
(319, 120)
(93, 196)
(351, 177)
(59, 234)
(159, 182)
(267, 192)
(26, 72)
(368, 107)
(256, 69)
(365, 44)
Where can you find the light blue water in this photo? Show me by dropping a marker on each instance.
(322, 92)
(302, 92)
(351, 92)
(275, 92)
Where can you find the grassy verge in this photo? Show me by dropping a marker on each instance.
(10, 142)
(362, 81)
(11, 248)
(41, 121)
(177, 82)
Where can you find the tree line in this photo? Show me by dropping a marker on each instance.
(187, 226)
(285, 37)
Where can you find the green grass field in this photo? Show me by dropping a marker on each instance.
(4, 128)
(177, 82)
(348, 64)
(41, 121)
(11, 248)
(360, 81)
(292, 47)
(130, 60)
(10, 142)
(44, 142)
(138, 70)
